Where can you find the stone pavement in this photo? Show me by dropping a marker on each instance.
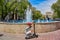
(42, 36)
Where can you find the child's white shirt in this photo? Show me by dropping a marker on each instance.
(27, 30)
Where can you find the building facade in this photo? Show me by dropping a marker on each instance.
(49, 14)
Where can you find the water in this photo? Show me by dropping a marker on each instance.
(28, 15)
(42, 21)
(24, 21)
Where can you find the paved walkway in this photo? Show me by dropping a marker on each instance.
(43, 36)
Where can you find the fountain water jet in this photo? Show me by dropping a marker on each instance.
(28, 14)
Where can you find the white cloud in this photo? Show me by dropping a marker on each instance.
(45, 6)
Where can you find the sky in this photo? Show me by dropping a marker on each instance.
(43, 5)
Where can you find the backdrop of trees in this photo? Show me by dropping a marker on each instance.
(15, 9)
(56, 9)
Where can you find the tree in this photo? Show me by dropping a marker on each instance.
(15, 6)
(56, 8)
(36, 14)
(3, 9)
(20, 7)
(55, 15)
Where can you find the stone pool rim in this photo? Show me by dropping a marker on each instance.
(26, 23)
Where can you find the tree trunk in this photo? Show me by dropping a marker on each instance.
(14, 17)
(17, 16)
(2, 14)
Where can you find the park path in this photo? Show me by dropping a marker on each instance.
(42, 36)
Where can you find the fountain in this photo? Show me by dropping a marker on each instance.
(28, 15)
(38, 20)
(7, 17)
(47, 18)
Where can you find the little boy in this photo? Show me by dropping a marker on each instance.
(28, 30)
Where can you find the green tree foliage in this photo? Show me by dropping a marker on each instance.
(56, 8)
(55, 15)
(15, 6)
(36, 14)
(2, 4)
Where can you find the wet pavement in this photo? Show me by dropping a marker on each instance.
(55, 35)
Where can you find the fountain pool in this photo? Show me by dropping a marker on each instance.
(25, 21)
